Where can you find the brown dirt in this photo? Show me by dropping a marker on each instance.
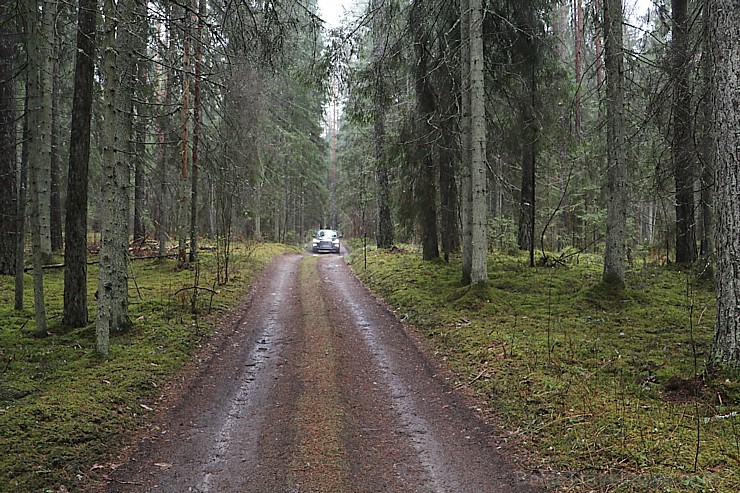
(314, 386)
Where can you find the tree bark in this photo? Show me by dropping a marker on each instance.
(724, 32)
(8, 159)
(681, 148)
(616, 221)
(75, 252)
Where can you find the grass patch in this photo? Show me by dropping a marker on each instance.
(63, 409)
(607, 389)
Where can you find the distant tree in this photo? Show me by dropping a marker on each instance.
(75, 252)
(616, 222)
(724, 53)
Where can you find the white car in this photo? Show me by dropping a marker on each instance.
(325, 240)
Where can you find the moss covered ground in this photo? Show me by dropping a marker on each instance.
(63, 409)
(608, 391)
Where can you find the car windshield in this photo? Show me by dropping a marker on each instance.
(326, 234)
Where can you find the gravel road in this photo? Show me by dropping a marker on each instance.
(314, 386)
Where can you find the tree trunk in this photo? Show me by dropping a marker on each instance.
(466, 209)
(616, 220)
(724, 32)
(707, 174)
(448, 194)
(55, 199)
(426, 190)
(184, 184)
(20, 247)
(112, 310)
(142, 115)
(579, 48)
(75, 252)
(43, 175)
(385, 232)
(527, 51)
(8, 159)
(525, 236)
(37, 153)
(164, 98)
(197, 131)
(681, 148)
(478, 168)
(449, 149)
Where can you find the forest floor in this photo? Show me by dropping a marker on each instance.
(314, 386)
(545, 377)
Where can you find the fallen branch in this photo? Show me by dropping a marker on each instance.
(477, 377)
(194, 287)
(95, 262)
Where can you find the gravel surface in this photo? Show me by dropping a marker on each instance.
(314, 386)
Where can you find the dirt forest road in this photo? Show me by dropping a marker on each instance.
(314, 386)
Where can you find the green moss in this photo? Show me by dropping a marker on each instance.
(63, 409)
(610, 389)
